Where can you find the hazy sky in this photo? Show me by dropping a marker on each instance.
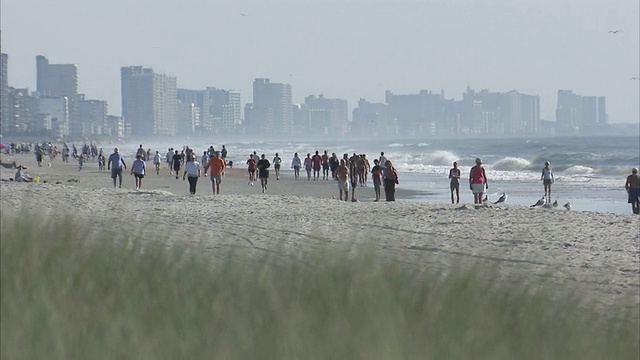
(347, 49)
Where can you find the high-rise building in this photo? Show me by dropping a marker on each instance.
(417, 114)
(578, 114)
(149, 101)
(519, 113)
(271, 112)
(325, 116)
(58, 109)
(372, 119)
(93, 117)
(56, 80)
(214, 110)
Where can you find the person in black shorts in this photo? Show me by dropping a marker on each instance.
(263, 171)
(454, 184)
(176, 161)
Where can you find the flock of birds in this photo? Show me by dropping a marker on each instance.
(541, 202)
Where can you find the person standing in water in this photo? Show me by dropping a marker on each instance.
(478, 181)
(454, 184)
(633, 189)
(547, 179)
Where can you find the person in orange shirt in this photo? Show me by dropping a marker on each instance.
(217, 167)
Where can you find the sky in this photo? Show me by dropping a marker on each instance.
(348, 49)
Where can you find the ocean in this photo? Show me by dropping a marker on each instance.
(590, 172)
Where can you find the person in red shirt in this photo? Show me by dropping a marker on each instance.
(478, 181)
(317, 164)
(217, 167)
(251, 167)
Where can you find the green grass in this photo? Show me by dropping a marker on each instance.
(69, 293)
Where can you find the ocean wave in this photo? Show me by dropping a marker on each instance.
(579, 170)
(511, 163)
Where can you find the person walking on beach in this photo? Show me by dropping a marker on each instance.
(296, 163)
(333, 165)
(478, 181)
(308, 165)
(353, 174)
(141, 152)
(317, 165)
(390, 177)
(376, 177)
(251, 168)
(325, 166)
(192, 173)
(263, 172)
(633, 189)
(204, 160)
(168, 159)
(342, 175)
(115, 164)
(382, 159)
(217, 166)
(547, 179)
(156, 162)
(177, 163)
(276, 165)
(454, 184)
(137, 170)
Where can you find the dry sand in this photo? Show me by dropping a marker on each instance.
(599, 252)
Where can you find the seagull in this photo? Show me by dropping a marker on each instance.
(567, 206)
(555, 203)
(502, 199)
(614, 32)
(539, 203)
(243, 14)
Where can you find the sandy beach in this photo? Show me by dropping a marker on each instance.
(596, 251)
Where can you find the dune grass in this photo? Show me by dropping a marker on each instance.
(67, 293)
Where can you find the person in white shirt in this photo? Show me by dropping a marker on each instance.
(276, 165)
(296, 163)
(547, 179)
(192, 171)
(156, 162)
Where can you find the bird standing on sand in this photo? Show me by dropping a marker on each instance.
(567, 206)
(555, 203)
(502, 198)
(539, 203)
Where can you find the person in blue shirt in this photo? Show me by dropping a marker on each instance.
(115, 164)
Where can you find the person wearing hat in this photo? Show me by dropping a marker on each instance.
(478, 181)
(633, 189)
(547, 179)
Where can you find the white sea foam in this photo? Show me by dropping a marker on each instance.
(578, 170)
(511, 163)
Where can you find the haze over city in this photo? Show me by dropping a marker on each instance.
(342, 49)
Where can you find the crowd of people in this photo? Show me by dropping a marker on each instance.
(349, 172)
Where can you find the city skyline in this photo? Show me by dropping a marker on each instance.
(346, 50)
